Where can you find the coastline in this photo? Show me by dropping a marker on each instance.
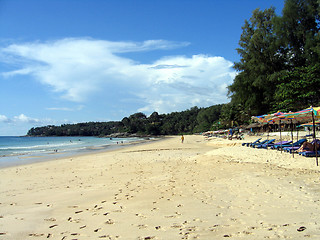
(29, 158)
(164, 190)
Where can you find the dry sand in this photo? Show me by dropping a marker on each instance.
(200, 189)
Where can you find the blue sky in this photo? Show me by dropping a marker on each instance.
(69, 61)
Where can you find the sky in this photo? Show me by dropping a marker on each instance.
(70, 61)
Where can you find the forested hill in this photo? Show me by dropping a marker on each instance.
(189, 121)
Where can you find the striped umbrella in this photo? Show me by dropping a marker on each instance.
(302, 116)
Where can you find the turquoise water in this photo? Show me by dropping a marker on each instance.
(21, 150)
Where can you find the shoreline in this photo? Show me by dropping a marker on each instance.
(164, 190)
(26, 159)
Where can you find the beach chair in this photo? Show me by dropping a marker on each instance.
(254, 144)
(309, 153)
(295, 144)
(291, 149)
(274, 145)
(309, 149)
(264, 145)
(247, 144)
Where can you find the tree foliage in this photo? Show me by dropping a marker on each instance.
(189, 121)
(279, 60)
(299, 88)
(253, 87)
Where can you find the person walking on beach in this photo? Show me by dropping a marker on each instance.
(182, 139)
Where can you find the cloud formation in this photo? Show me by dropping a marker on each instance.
(26, 120)
(78, 108)
(4, 119)
(77, 69)
(20, 119)
(19, 125)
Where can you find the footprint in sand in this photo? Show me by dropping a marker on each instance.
(146, 238)
(170, 216)
(110, 221)
(142, 226)
(36, 234)
(140, 215)
(176, 225)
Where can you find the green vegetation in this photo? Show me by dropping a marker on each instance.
(189, 121)
(279, 66)
(279, 70)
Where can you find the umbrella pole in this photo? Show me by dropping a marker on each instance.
(314, 137)
(280, 136)
(268, 135)
(292, 138)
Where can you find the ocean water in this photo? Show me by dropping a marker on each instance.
(22, 150)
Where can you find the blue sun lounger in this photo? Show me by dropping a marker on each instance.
(264, 145)
(295, 144)
(295, 147)
(255, 144)
(310, 153)
(273, 146)
(291, 149)
(259, 143)
(247, 144)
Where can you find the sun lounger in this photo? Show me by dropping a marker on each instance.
(258, 143)
(264, 145)
(309, 153)
(295, 144)
(290, 149)
(247, 144)
(273, 146)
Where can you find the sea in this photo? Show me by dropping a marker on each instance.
(24, 150)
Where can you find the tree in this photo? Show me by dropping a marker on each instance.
(298, 32)
(298, 89)
(207, 117)
(253, 87)
(278, 65)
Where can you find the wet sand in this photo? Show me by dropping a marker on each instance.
(200, 189)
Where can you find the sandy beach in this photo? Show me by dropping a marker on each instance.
(201, 189)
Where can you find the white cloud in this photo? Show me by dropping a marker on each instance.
(78, 69)
(78, 108)
(4, 119)
(149, 45)
(24, 119)
(19, 125)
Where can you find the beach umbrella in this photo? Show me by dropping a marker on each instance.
(305, 115)
(268, 119)
(302, 116)
(264, 119)
(279, 119)
(310, 124)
